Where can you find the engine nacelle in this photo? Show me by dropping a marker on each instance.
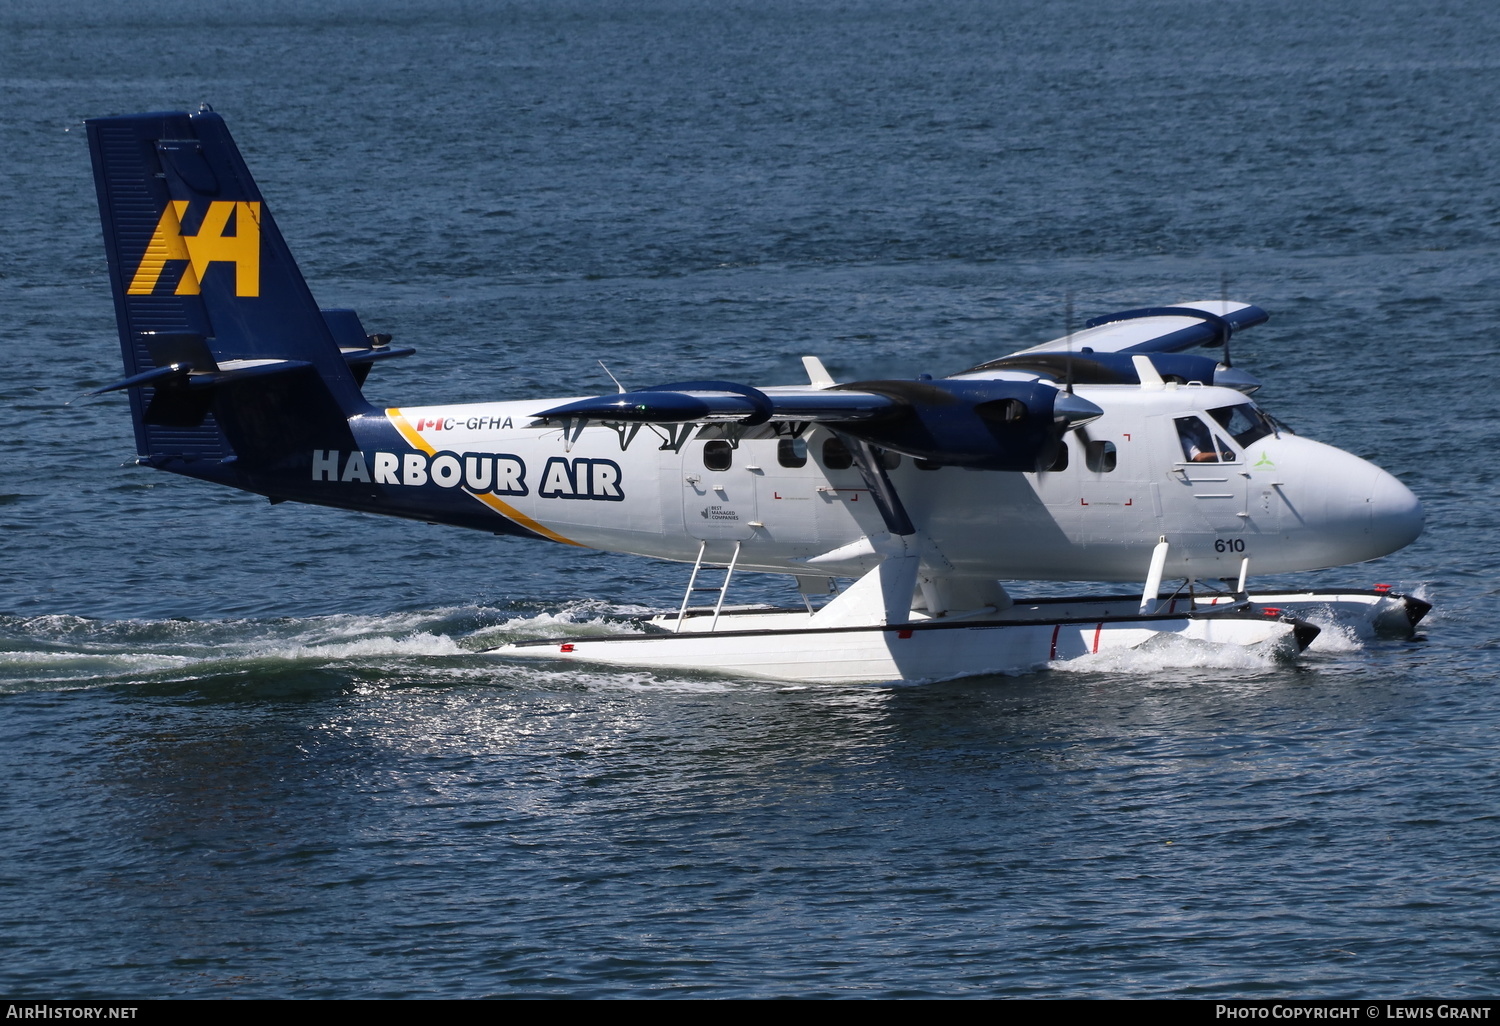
(988, 425)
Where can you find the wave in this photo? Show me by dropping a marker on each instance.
(60, 651)
(1170, 652)
(450, 645)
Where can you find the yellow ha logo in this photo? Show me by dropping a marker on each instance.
(242, 249)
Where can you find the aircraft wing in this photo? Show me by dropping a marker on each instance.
(719, 401)
(1159, 329)
(979, 418)
(994, 425)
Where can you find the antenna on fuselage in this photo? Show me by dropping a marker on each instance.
(612, 377)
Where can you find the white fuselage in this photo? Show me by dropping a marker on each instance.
(1283, 502)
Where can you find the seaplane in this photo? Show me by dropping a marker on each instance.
(1122, 452)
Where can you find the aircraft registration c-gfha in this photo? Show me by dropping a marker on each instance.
(1115, 454)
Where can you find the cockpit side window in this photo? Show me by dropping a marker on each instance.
(1197, 446)
(1244, 422)
(1200, 445)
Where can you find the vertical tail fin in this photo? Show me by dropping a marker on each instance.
(226, 352)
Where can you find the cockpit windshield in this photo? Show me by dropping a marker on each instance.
(1243, 421)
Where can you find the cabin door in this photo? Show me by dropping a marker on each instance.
(1204, 480)
(718, 493)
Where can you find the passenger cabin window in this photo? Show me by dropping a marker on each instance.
(836, 456)
(1101, 457)
(1200, 445)
(1245, 423)
(718, 454)
(792, 452)
(1060, 461)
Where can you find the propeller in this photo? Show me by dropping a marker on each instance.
(1058, 408)
(1068, 327)
(1070, 411)
(1224, 313)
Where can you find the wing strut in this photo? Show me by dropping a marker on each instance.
(879, 482)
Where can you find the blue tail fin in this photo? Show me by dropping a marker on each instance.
(227, 356)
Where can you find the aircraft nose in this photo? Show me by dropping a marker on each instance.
(1395, 513)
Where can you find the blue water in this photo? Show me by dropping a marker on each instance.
(252, 751)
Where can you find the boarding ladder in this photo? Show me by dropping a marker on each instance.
(692, 586)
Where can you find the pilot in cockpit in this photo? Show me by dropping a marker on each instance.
(1198, 442)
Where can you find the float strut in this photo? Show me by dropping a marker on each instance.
(697, 565)
(733, 562)
(1153, 577)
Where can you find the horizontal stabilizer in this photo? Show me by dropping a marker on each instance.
(360, 349)
(365, 357)
(204, 373)
(144, 378)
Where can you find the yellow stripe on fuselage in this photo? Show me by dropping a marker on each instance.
(416, 441)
